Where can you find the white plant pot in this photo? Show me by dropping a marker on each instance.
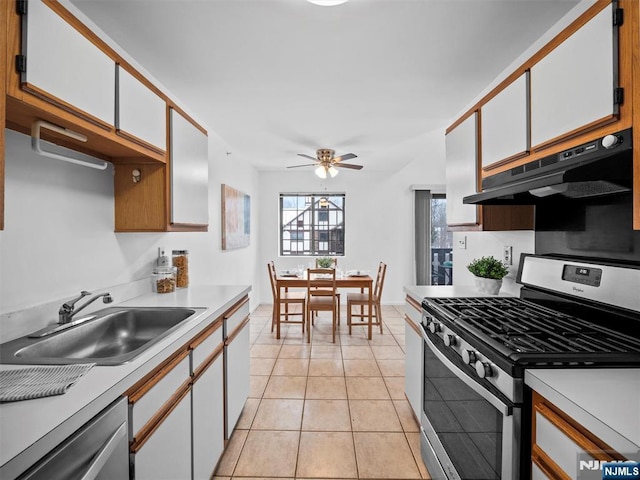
(488, 285)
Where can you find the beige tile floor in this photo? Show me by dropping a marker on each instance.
(324, 410)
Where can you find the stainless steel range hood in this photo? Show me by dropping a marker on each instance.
(600, 167)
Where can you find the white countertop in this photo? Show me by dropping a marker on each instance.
(30, 428)
(606, 401)
(418, 292)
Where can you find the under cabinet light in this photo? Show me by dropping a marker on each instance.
(37, 125)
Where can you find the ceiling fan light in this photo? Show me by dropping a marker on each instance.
(321, 171)
(333, 171)
(327, 3)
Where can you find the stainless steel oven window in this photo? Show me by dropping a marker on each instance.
(473, 433)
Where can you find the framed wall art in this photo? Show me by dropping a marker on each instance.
(236, 218)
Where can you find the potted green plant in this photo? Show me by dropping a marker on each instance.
(488, 272)
(324, 262)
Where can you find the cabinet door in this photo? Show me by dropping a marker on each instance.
(167, 452)
(189, 172)
(140, 112)
(64, 67)
(461, 169)
(237, 380)
(572, 87)
(208, 420)
(413, 367)
(505, 123)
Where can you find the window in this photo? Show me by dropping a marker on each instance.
(311, 224)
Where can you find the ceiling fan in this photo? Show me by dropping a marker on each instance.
(326, 162)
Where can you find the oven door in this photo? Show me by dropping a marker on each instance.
(469, 429)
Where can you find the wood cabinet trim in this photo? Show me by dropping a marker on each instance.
(136, 392)
(550, 468)
(206, 333)
(237, 306)
(67, 107)
(3, 91)
(413, 326)
(576, 133)
(633, 17)
(56, 6)
(204, 366)
(414, 303)
(139, 141)
(160, 416)
(536, 57)
(574, 431)
(231, 337)
(505, 161)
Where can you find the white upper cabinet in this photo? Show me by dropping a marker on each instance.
(573, 85)
(140, 112)
(62, 63)
(505, 123)
(461, 169)
(189, 172)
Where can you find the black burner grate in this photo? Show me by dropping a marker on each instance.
(523, 330)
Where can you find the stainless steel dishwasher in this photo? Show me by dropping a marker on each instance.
(98, 450)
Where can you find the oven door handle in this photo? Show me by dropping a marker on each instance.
(505, 408)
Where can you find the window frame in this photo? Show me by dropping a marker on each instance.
(309, 204)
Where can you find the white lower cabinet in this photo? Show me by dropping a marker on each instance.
(413, 358)
(208, 420)
(238, 374)
(167, 452)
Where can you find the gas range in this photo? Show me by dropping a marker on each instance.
(555, 323)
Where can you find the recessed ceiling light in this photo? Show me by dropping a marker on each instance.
(327, 3)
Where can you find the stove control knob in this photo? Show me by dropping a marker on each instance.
(469, 356)
(450, 340)
(434, 327)
(483, 369)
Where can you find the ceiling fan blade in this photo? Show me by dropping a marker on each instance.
(346, 156)
(307, 156)
(349, 165)
(306, 165)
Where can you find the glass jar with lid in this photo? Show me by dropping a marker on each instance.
(180, 260)
(164, 279)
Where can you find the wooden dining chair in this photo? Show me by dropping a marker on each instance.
(362, 300)
(334, 264)
(286, 299)
(322, 296)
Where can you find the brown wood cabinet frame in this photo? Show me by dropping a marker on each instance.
(145, 208)
(491, 217)
(582, 437)
(629, 109)
(3, 96)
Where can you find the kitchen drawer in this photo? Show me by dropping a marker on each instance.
(206, 344)
(146, 403)
(235, 316)
(558, 446)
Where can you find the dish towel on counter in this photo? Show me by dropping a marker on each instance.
(36, 382)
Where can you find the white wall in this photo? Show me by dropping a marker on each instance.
(378, 220)
(485, 244)
(59, 237)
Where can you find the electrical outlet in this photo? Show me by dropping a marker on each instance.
(508, 254)
(462, 243)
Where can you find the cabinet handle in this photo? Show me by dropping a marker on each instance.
(104, 453)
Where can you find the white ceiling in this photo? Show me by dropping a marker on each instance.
(274, 78)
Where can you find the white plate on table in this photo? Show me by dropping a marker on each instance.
(358, 273)
(288, 273)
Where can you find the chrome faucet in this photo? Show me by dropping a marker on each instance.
(66, 312)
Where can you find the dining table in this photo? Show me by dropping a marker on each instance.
(285, 281)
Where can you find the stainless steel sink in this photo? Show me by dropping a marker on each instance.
(112, 336)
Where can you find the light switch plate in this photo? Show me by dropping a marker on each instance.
(462, 243)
